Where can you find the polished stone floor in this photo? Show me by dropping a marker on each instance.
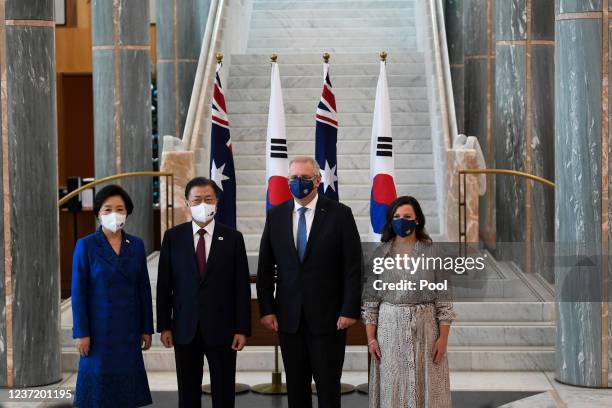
(470, 390)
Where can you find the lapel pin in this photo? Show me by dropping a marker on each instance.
(220, 238)
(127, 241)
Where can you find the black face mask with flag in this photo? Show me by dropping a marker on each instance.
(301, 186)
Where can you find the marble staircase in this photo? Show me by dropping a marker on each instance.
(354, 32)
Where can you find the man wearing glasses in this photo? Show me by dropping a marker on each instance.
(313, 246)
(203, 298)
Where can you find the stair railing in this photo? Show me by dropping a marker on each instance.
(204, 77)
(443, 72)
(443, 121)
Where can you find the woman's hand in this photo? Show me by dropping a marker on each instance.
(374, 349)
(82, 345)
(439, 349)
(145, 342)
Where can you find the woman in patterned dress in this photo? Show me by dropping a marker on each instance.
(407, 330)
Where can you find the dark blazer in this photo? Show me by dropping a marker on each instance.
(327, 284)
(221, 303)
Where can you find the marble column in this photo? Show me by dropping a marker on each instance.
(454, 36)
(582, 209)
(180, 30)
(523, 135)
(479, 64)
(29, 268)
(122, 102)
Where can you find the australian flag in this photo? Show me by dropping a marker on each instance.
(326, 138)
(221, 157)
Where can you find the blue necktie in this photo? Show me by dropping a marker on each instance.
(302, 239)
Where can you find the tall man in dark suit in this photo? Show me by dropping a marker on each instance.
(204, 298)
(313, 245)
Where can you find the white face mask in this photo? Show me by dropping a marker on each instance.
(113, 221)
(203, 212)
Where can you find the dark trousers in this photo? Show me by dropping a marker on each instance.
(306, 355)
(190, 369)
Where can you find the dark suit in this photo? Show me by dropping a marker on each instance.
(311, 295)
(204, 315)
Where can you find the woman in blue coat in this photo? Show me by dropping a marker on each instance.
(111, 309)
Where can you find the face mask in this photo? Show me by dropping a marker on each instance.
(403, 227)
(113, 221)
(203, 212)
(300, 187)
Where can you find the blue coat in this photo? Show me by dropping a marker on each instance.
(111, 304)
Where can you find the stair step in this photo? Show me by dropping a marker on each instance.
(336, 70)
(324, 14)
(403, 41)
(344, 147)
(255, 225)
(313, 1)
(349, 176)
(373, 22)
(361, 81)
(349, 191)
(494, 334)
(252, 240)
(331, 5)
(309, 107)
(360, 208)
(314, 94)
(349, 133)
(505, 312)
(356, 359)
(315, 58)
(485, 334)
(348, 119)
(357, 31)
(321, 49)
(356, 161)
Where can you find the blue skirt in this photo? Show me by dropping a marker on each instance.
(112, 375)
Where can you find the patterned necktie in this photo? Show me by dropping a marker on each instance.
(201, 253)
(302, 238)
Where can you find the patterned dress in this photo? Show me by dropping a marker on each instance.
(407, 328)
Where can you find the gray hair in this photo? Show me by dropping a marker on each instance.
(307, 159)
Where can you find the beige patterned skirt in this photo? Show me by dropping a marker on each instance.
(406, 376)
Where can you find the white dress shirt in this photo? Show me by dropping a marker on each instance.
(210, 228)
(309, 215)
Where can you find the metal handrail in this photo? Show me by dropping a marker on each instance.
(203, 78)
(443, 73)
(462, 207)
(169, 182)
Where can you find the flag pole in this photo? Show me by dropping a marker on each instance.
(276, 387)
(239, 388)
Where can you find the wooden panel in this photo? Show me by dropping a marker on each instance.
(85, 225)
(73, 49)
(260, 336)
(75, 127)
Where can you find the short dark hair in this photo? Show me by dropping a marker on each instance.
(112, 191)
(388, 233)
(201, 182)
